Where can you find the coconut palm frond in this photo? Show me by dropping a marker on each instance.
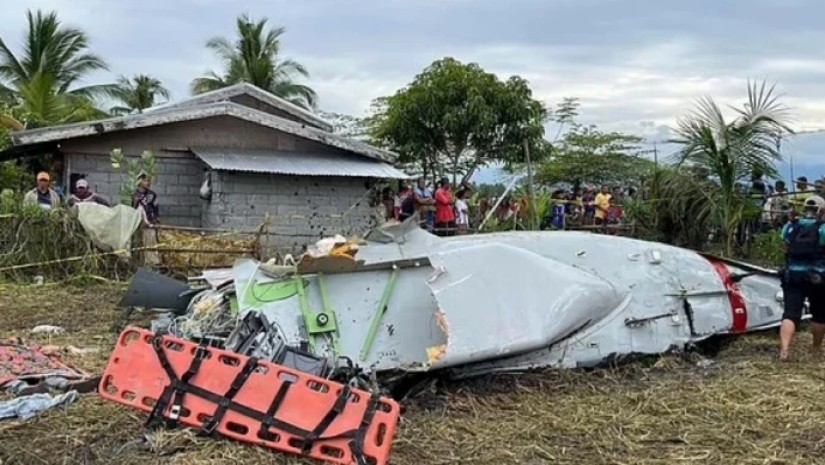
(254, 57)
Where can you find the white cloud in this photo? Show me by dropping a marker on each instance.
(635, 65)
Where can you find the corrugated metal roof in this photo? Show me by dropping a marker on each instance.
(296, 163)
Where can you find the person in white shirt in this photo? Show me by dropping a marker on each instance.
(462, 212)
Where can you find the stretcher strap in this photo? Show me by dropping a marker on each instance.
(357, 444)
(337, 408)
(181, 386)
(210, 425)
(269, 416)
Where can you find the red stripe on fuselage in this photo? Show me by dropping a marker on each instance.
(735, 297)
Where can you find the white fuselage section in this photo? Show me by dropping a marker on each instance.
(511, 301)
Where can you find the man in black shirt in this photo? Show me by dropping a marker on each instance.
(146, 199)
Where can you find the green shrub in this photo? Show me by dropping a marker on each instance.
(767, 249)
(55, 242)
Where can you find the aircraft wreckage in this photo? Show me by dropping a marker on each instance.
(279, 354)
(406, 301)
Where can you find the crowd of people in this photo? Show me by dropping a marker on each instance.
(442, 210)
(447, 211)
(46, 197)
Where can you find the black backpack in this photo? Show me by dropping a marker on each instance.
(803, 242)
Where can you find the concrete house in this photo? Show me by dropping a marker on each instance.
(262, 154)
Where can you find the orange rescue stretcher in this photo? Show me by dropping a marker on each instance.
(246, 399)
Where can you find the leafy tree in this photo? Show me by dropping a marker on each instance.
(138, 93)
(589, 155)
(454, 118)
(42, 82)
(255, 58)
(489, 191)
(52, 53)
(731, 150)
(134, 166)
(676, 206)
(565, 115)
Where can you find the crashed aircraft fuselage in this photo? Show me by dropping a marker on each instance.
(508, 301)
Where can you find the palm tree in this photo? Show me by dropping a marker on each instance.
(138, 93)
(732, 150)
(44, 78)
(254, 58)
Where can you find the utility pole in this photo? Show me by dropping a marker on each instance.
(530, 186)
(655, 155)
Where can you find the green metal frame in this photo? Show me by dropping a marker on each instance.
(379, 314)
(319, 323)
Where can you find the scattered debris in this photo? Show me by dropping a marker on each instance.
(29, 406)
(48, 329)
(33, 364)
(620, 414)
(453, 305)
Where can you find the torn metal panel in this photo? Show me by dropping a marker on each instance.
(527, 308)
(507, 301)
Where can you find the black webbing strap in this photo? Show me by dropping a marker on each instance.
(357, 444)
(210, 425)
(269, 416)
(337, 408)
(177, 386)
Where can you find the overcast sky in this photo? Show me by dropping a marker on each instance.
(636, 65)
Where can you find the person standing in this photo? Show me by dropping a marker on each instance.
(146, 199)
(602, 204)
(780, 205)
(43, 195)
(462, 211)
(404, 204)
(444, 209)
(804, 241)
(426, 204)
(801, 194)
(84, 194)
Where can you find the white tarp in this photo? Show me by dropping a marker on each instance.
(110, 228)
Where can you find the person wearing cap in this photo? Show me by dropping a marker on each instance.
(43, 195)
(804, 275)
(84, 194)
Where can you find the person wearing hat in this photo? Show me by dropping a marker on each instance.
(84, 194)
(43, 195)
(804, 275)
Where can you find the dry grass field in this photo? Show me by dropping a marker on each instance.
(744, 408)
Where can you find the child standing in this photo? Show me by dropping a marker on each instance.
(462, 212)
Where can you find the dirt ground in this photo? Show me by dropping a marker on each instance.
(745, 408)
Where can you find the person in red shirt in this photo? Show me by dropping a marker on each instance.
(444, 209)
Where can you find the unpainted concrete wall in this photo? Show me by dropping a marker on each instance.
(303, 208)
(177, 183)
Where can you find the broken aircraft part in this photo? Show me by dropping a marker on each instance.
(153, 291)
(412, 302)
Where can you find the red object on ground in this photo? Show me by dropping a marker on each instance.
(737, 300)
(32, 363)
(136, 377)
